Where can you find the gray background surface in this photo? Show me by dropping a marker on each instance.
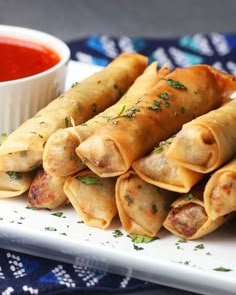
(72, 19)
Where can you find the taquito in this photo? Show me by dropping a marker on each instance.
(46, 191)
(208, 141)
(157, 169)
(59, 156)
(23, 149)
(92, 197)
(13, 184)
(178, 98)
(142, 207)
(220, 191)
(188, 218)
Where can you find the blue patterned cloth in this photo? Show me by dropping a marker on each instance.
(25, 274)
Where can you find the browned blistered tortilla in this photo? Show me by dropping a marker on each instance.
(188, 218)
(220, 191)
(14, 183)
(23, 149)
(157, 169)
(92, 197)
(178, 98)
(208, 141)
(46, 191)
(142, 207)
(59, 156)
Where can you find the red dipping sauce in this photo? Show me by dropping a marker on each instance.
(20, 58)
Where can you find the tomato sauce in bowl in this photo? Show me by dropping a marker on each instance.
(20, 59)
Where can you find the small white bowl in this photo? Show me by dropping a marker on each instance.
(22, 98)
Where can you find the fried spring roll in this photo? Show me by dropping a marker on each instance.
(14, 183)
(142, 207)
(178, 98)
(207, 142)
(188, 218)
(220, 191)
(59, 156)
(92, 197)
(46, 191)
(23, 149)
(158, 170)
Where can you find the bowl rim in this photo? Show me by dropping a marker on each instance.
(27, 34)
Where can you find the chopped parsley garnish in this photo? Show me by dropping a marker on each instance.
(115, 122)
(89, 179)
(176, 84)
(189, 196)
(182, 110)
(163, 95)
(158, 149)
(196, 91)
(50, 228)
(200, 246)
(117, 233)
(221, 268)
(154, 209)
(137, 248)
(121, 111)
(74, 84)
(128, 199)
(132, 111)
(156, 105)
(66, 122)
(58, 214)
(14, 175)
(137, 239)
(80, 221)
(182, 241)
(83, 124)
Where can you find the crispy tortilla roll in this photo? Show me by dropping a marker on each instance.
(158, 170)
(14, 183)
(23, 149)
(142, 207)
(178, 98)
(59, 156)
(188, 218)
(92, 197)
(220, 191)
(205, 143)
(46, 191)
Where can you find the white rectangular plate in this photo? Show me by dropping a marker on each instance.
(191, 265)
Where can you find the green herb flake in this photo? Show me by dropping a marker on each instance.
(14, 175)
(122, 111)
(158, 149)
(221, 268)
(154, 209)
(83, 124)
(182, 241)
(182, 110)
(116, 86)
(196, 91)
(41, 123)
(189, 196)
(115, 122)
(50, 228)
(40, 135)
(138, 239)
(63, 234)
(137, 248)
(128, 199)
(57, 214)
(66, 122)
(117, 233)
(89, 180)
(132, 111)
(3, 137)
(80, 221)
(176, 84)
(163, 95)
(74, 84)
(200, 247)
(156, 105)
(31, 208)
